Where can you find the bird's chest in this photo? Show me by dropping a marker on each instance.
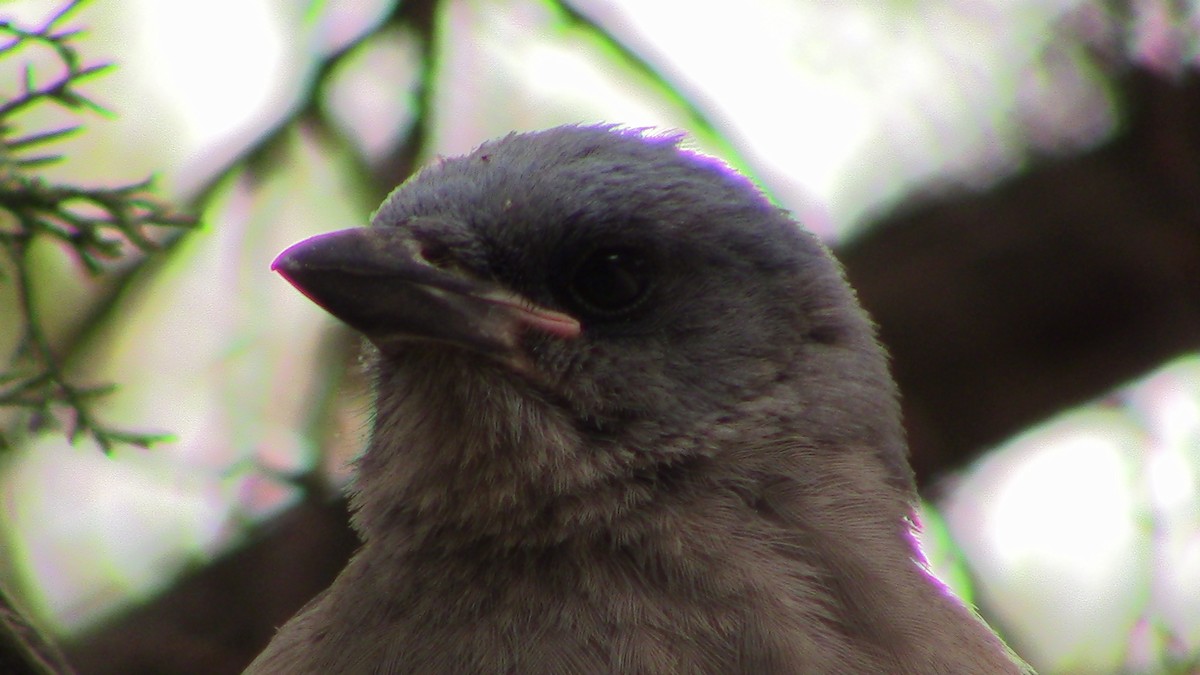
(551, 613)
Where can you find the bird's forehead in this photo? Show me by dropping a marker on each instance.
(569, 175)
(550, 190)
(548, 170)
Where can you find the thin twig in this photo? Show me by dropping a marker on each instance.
(98, 225)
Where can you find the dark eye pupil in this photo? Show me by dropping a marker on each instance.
(611, 280)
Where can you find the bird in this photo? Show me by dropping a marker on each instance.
(629, 417)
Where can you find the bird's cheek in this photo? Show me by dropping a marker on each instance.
(553, 363)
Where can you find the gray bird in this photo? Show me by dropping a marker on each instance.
(629, 419)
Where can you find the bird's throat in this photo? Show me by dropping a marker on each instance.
(460, 448)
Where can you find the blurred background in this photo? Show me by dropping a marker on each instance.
(1013, 186)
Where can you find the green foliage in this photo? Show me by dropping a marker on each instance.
(99, 227)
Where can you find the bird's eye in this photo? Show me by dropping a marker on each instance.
(611, 281)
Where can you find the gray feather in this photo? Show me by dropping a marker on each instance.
(712, 481)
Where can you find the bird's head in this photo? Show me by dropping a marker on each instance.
(562, 311)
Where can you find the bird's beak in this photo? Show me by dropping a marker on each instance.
(378, 282)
